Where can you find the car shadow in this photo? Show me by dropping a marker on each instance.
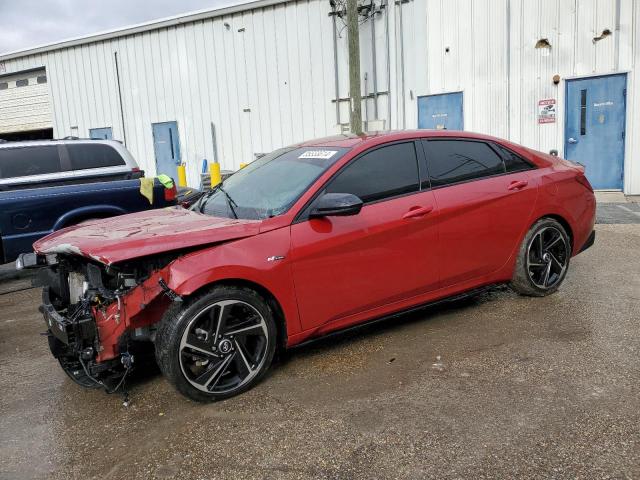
(375, 327)
(147, 370)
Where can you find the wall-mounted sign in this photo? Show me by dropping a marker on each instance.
(547, 111)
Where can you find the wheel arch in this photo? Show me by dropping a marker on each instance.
(562, 221)
(270, 298)
(81, 214)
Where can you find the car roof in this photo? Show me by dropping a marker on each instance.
(39, 143)
(350, 140)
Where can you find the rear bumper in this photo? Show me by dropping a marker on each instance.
(589, 242)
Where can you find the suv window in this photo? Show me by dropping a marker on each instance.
(93, 155)
(26, 161)
(512, 161)
(453, 161)
(381, 173)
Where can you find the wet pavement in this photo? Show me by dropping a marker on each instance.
(500, 386)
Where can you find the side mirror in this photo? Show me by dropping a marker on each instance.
(336, 205)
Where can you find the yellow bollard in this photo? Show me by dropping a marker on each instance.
(242, 165)
(182, 175)
(214, 171)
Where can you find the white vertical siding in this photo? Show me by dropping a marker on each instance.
(630, 18)
(265, 77)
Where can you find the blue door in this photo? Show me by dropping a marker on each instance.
(594, 128)
(166, 147)
(101, 133)
(441, 112)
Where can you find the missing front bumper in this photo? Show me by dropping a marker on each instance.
(77, 332)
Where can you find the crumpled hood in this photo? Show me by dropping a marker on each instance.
(145, 233)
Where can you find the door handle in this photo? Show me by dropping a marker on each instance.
(518, 184)
(416, 212)
(572, 140)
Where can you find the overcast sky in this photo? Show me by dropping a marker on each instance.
(27, 23)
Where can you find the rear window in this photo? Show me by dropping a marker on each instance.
(93, 155)
(454, 161)
(512, 161)
(28, 161)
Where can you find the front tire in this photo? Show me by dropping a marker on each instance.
(543, 259)
(71, 364)
(218, 344)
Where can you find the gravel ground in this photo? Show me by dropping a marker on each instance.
(500, 386)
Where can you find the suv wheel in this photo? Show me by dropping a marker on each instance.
(217, 345)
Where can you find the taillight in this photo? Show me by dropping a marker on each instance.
(170, 194)
(583, 180)
(135, 169)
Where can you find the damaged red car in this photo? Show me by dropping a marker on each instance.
(308, 240)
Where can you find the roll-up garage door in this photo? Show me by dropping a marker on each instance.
(24, 102)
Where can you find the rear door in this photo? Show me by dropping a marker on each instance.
(166, 146)
(347, 265)
(441, 112)
(484, 205)
(595, 128)
(105, 133)
(96, 162)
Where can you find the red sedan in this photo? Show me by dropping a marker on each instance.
(307, 240)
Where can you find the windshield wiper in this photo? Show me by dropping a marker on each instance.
(230, 201)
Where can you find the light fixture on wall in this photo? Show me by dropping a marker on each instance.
(543, 43)
(556, 79)
(605, 33)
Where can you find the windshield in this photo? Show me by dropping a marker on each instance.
(270, 185)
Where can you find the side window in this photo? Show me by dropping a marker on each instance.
(27, 161)
(381, 173)
(93, 155)
(453, 161)
(512, 161)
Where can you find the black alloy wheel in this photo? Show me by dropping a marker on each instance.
(218, 345)
(543, 259)
(547, 257)
(223, 346)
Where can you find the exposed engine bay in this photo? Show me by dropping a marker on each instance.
(96, 328)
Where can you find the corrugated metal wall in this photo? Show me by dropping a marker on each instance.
(265, 77)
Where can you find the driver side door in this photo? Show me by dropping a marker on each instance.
(346, 269)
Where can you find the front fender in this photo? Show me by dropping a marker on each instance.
(80, 213)
(249, 259)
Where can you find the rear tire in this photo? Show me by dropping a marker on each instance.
(543, 259)
(217, 344)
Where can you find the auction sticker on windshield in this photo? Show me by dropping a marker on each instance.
(323, 154)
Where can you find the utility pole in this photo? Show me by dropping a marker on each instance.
(354, 67)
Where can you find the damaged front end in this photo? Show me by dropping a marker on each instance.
(101, 319)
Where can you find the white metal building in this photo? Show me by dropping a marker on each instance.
(228, 84)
